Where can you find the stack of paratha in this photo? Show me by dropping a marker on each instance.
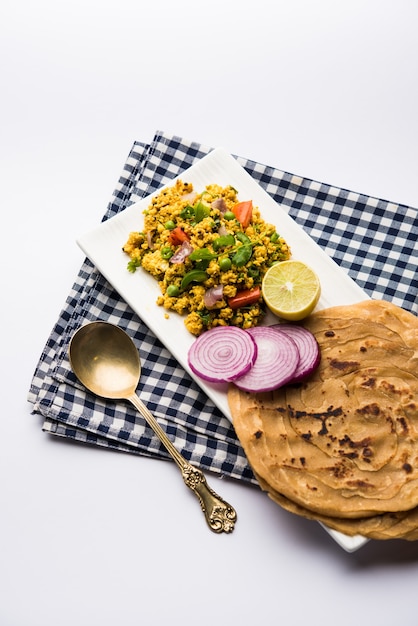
(342, 447)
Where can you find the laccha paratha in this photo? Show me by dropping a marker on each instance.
(342, 447)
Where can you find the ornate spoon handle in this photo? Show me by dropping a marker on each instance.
(220, 515)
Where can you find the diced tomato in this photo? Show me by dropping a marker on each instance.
(177, 236)
(243, 211)
(244, 298)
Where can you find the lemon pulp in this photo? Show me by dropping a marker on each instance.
(291, 290)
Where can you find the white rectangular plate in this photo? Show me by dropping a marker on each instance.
(103, 246)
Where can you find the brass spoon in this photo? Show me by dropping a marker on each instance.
(106, 361)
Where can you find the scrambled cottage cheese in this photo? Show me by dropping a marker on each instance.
(209, 252)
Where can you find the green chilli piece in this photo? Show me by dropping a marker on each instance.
(166, 253)
(187, 213)
(242, 237)
(201, 211)
(194, 276)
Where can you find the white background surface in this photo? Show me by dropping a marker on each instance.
(323, 89)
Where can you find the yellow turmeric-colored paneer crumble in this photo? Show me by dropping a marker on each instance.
(209, 252)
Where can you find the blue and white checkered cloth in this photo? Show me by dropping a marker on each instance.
(373, 240)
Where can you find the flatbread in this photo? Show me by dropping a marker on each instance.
(344, 444)
(400, 525)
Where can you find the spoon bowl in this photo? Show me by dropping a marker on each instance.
(106, 361)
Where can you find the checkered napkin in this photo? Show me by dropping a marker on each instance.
(373, 240)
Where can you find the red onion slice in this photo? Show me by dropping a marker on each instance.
(149, 240)
(182, 253)
(213, 295)
(222, 354)
(189, 197)
(220, 204)
(309, 352)
(222, 230)
(276, 362)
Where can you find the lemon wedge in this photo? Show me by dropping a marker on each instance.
(291, 290)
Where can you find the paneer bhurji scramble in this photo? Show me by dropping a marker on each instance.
(209, 251)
